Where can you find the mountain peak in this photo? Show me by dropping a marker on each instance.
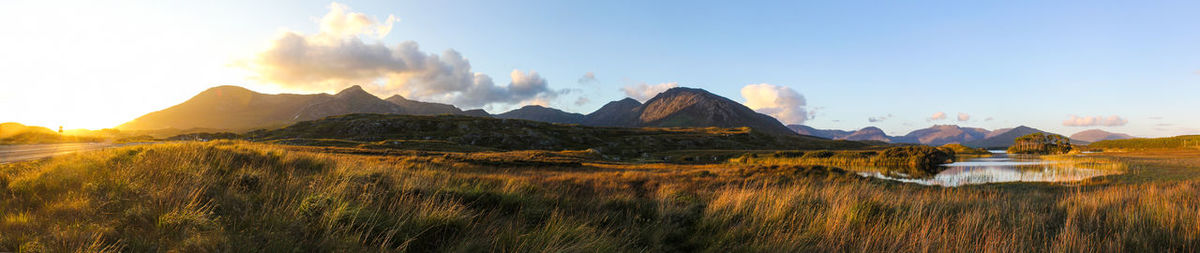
(224, 92)
(622, 112)
(684, 89)
(227, 88)
(395, 98)
(543, 114)
(938, 135)
(627, 100)
(678, 91)
(871, 129)
(355, 91)
(684, 107)
(870, 133)
(1094, 135)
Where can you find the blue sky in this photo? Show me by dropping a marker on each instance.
(1032, 63)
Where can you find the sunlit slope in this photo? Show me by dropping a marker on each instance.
(16, 133)
(684, 107)
(236, 108)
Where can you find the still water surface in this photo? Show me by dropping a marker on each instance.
(998, 168)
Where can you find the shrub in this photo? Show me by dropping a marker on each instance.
(923, 157)
(1041, 143)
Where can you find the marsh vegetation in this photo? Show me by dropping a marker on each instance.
(210, 196)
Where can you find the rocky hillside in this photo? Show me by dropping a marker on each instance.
(228, 107)
(620, 113)
(423, 108)
(686, 107)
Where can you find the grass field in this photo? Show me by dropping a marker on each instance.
(1189, 142)
(242, 196)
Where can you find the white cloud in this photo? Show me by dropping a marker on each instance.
(780, 102)
(337, 57)
(643, 91)
(989, 119)
(587, 77)
(338, 23)
(582, 101)
(937, 116)
(1077, 121)
(963, 116)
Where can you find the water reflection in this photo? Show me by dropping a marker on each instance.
(998, 168)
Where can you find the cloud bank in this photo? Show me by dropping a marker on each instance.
(780, 102)
(336, 57)
(643, 91)
(963, 117)
(1077, 121)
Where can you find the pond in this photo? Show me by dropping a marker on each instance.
(999, 167)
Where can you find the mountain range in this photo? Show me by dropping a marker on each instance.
(238, 109)
(543, 114)
(938, 135)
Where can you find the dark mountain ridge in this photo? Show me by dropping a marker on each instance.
(869, 134)
(543, 114)
(823, 133)
(1094, 135)
(936, 135)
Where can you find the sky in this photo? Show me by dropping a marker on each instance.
(1061, 66)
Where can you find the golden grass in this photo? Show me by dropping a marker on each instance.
(238, 196)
